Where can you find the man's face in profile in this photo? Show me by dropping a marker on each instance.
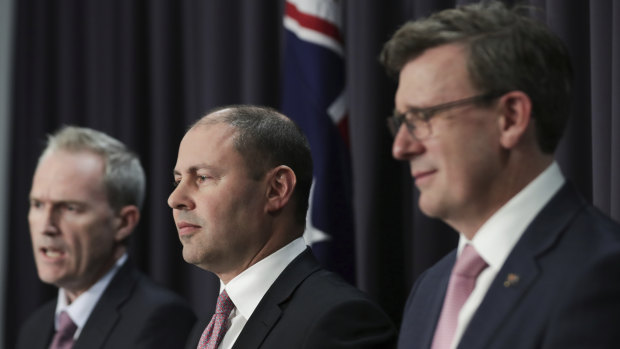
(218, 208)
(457, 164)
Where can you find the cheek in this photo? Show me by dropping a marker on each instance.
(243, 216)
(458, 162)
(93, 238)
(35, 222)
(473, 164)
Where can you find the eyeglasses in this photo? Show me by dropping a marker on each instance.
(417, 119)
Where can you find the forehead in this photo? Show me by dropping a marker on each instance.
(207, 143)
(438, 75)
(63, 175)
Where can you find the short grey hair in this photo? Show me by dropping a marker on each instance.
(124, 178)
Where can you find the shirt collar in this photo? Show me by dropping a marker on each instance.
(500, 233)
(248, 288)
(79, 310)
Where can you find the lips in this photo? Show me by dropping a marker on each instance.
(421, 176)
(186, 228)
(52, 253)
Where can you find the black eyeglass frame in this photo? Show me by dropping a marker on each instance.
(422, 116)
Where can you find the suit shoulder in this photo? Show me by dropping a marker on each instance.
(152, 297)
(135, 312)
(440, 269)
(326, 286)
(335, 314)
(591, 235)
(601, 223)
(41, 315)
(38, 322)
(154, 292)
(326, 294)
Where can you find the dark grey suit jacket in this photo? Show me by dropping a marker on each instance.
(132, 313)
(564, 288)
(308, 307)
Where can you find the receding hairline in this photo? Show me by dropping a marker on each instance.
(219, 115)
(123, 176)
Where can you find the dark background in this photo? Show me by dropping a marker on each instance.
(142, 71)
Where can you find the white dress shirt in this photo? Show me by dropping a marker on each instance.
(496, 238)
(248, 288)
(81, 308)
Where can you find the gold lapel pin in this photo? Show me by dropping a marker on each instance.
(511, 280)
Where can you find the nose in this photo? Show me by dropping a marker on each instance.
(179, 198)
(43, 220)
(405, 145)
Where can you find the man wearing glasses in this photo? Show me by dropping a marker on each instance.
(481, 105)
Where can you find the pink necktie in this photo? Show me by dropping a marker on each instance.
(462, 281)
(213, 334)
(63, 339)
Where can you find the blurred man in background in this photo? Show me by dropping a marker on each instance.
(482, 101)
(85, 202)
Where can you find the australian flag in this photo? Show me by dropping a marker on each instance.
(314, 95)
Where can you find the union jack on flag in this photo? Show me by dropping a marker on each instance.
(314, 95)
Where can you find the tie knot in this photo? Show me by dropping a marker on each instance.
(224, 304)
(65, 324)
(63, 339)
(469, 264)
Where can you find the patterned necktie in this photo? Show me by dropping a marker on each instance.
(462, 281)
(213, 334)
(63, 339)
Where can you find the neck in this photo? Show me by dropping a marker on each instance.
(279, 239)
(510, 182)
(74, 291)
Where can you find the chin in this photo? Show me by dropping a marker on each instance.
(190, 256)
(46, 275)
(427, 207)
(50, 280)
(432, 209)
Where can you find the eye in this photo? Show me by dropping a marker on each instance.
(35, 203)
(175, 183)
(202, 179)
(427, 115)
(70, 207)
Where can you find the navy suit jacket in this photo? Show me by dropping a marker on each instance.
(564, 289)
(132, 313)
(309, 307)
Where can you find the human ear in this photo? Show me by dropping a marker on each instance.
(281, 183)
(515, 117)
(127, 220)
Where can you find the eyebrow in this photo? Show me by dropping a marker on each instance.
(195, 168)
(408, 108)
(59, 202)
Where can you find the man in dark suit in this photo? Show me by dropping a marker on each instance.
(481, 105)
(84, 205)
(243, 177)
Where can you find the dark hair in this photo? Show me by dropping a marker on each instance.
(507, 51)
(266, 139)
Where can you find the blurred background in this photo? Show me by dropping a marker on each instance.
(143, 71)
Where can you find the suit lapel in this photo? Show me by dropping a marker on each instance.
(269, 310)
(436, 305)
(499, 301)
(520, 270)
(106, 313)
(46, 329)
(426, 311)
(44, 340)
